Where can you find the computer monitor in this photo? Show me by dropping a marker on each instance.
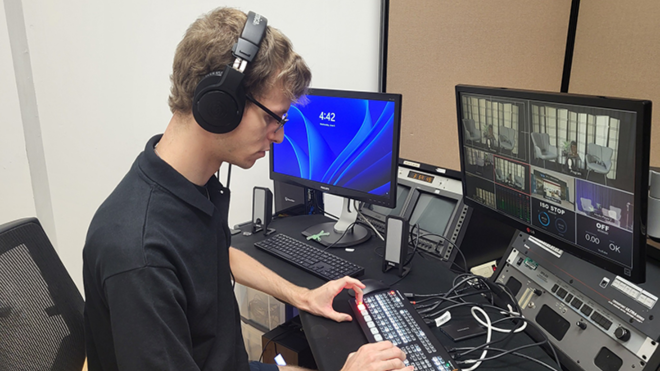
(344, 143)
(571, 170)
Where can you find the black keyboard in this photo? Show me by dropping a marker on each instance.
(309, 258)
(388, 315)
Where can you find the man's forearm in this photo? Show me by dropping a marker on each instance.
(249, 272)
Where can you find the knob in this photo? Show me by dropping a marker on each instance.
(622, 334)
(581, 325)
(538, 292)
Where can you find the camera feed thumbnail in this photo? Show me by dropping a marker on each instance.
(606, 205)
(514, 175)
(553, 187)
(480, 190)
(588, 143)
(553, 200)
(479, 162)
(494, 124)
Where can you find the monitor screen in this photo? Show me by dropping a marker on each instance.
(569, 169)
(432, 213)
(342, 142)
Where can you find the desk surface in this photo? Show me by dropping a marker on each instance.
(331, 342)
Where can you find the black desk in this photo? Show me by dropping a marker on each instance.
(331, 342)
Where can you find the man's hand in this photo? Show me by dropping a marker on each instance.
(319, 300)
(381, 356)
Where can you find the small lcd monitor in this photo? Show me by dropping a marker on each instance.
(569, 169)
(344, 143)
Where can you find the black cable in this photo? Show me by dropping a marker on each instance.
(458, 296)
(288, 331)
(228, 175)
(465, 266)
(350, 227)
(399, 280)
(366, 220)
(536, 327)
(516, 308)
(323, 211)
(529, 358)
(445, 297)
(508, 335)
(415, 244)
(233, 279)
(508, 351)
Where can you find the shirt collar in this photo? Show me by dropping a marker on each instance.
(165, 176)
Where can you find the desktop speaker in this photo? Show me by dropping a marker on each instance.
(396, 244)
(262, 208)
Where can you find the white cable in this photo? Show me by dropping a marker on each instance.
(364, 218)
(489, 333)
(504, 330)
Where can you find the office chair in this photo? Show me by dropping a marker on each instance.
(507, 138)
(542, 147)
(599, 159)
(587, 207)
(471, 132)
(41, 309)
(518, 181)
(615, 213)
(499, 176)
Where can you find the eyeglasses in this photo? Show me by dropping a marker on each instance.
(280, 120)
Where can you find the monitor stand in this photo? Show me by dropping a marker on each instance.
(330, 233)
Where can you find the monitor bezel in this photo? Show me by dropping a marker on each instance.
(642, 108)
(390, 200)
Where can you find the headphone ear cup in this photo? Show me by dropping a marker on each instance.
(219, 101)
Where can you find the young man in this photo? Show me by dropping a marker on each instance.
(158, 265)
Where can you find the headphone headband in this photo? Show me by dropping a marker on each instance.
(248, 43)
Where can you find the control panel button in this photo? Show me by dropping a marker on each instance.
(586, 310)
(562, 293)
(554, 288)
(606, 324)
(576, 303)
(569, 298)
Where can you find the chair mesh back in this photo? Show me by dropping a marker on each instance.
(41, 324)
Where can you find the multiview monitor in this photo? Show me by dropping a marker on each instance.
(344, 143)
(569, 169)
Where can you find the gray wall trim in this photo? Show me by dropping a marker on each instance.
(30, 115)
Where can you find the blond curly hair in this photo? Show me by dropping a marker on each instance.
(206, 47)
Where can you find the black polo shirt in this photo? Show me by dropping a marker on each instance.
(157, 280)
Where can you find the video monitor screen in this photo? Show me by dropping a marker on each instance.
(572, 167)
(342, 142)
(432, 213)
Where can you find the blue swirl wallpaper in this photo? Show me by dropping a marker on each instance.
(339, 141)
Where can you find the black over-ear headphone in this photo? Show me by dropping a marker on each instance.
(219, 98)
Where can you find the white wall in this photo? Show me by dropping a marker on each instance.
(101, 75)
